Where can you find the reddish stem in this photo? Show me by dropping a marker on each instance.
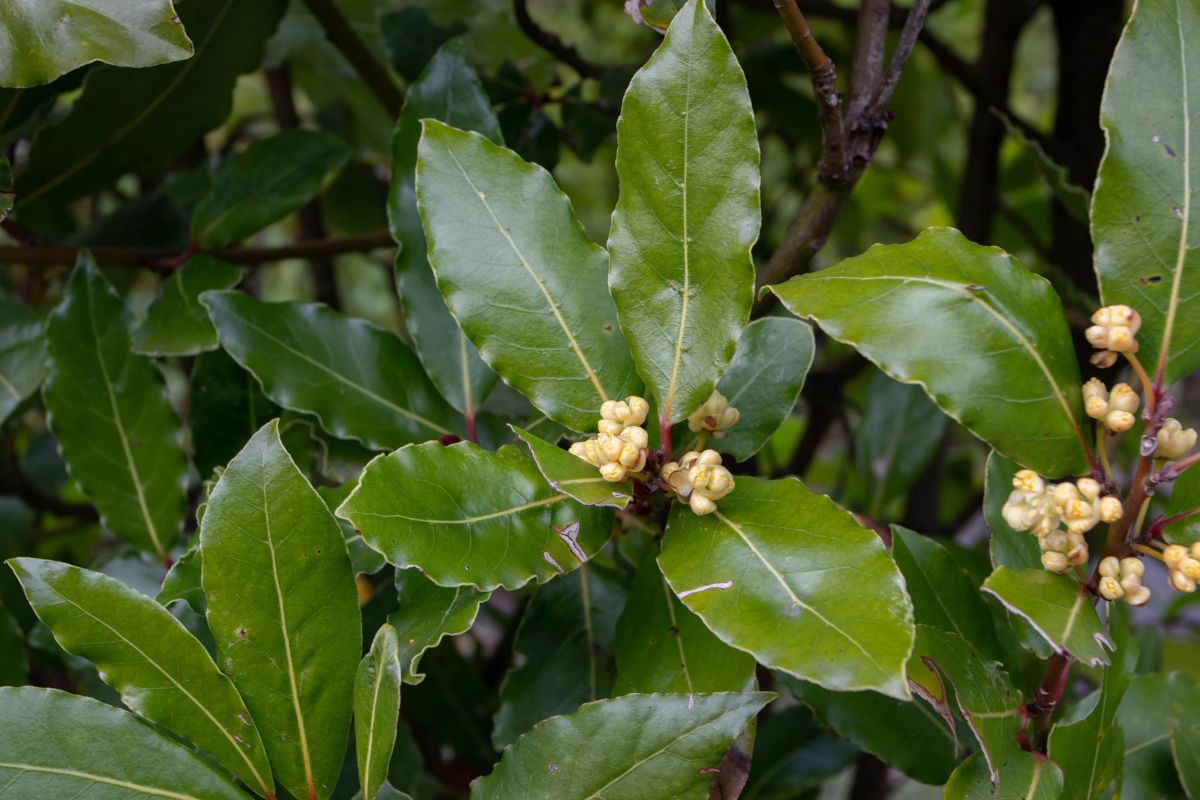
(471, 432)
(664, 437)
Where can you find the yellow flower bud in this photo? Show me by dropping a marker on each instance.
(1181, 582)
(701, 504)
(1174, 440)
(1027, 480)
(638, 409)
(636, 436)
(1109, 567)
(1195, 550)
(1095, 398)
(1104, 359)
(1078, 552)
(1124, 398)
(1088, 487)
(1054, 561)
(1056, 540)
(613, 471)
(1119, 421)
(609, 446)
(1191, 568)
(1139, 596)
(1064, 494)
(1173, 555)
(1114, 328)
(1111, 509)
(610, 426)
(1110, 589)
(715, 416)
(587, 451)
(1132, 567)
(608, 410)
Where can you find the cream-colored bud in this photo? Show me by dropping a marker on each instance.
(1174, 440)
(709, 458)
(609, 446)
(716, 482)
(638, 409)
(613, 471)
(608, 410)
(729, 418)
(689, 459)
(1111, 509)
(1195, 550)
(587, 451)
(1064, 494)
(1089, 488)
(1174, 554)
(701, 504)
(1191, 568)
(1104, 359)
(714, 415)
(1119, 421)
(1130, 583)
(1044, 525)
(1109, 567)
(1181, 582)
(1114, 328)
(1095, 398)
(1027, 480)
(1054, 561)
(1110, 589)
(1124, 398)
(632, 457)
(610, 426)
(636, 436)
(1056, 540)
(1078, 552)
(1139, 596)
(1132, 567)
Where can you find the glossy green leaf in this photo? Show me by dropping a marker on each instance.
(564, 649)
(110, 415)
(283, 610)
(907, 735)
(13, 669)
(1185, 497)
(161, 671)
(1023, 776)
(427, 614)
(900, 431)
(271, 179)
(22, 353)
(763, 382)
(574, 476)
(177, 325)
(227, 408)
(520, 275)
(54, 744)
(138, 120)
(947, 670)
(943, 595)
(1145, 214)
(359, 380)
(781, 572)
(447, 90)
(1089, 749)
(687, 214)
(1150, 707)
(1055, 606)
(377, 710)
(1185, 747)
(468, 516)
(183, 581)
(1009, 548)
(593, 753)
(1072, 197)
(661, 646)
(40, 41)
(984, 337)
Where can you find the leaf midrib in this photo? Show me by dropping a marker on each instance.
(98, 778)
(677, 356)
(465, 520)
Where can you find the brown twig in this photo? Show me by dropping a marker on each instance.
(551, 43)
(54, 254)
(374, 74)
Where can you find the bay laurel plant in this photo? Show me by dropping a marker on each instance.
(564, 462)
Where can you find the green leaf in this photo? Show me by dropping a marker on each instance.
(1185, 748)
(1150, 707)
(1185, 497)
(574, 476)
(660, 646)
(907, 735)
(1073, 198)
(1023, 776)
(183, 582)
(900, 431)
(1056, 607)
(984, 337)
(427, 614)
(40, 41)
(227, 408)
(177, 325)
(447, 90)
(360, 381)
(271, 179)
(1015, 549)
(982, 691)
(687, 213)
(784, 574)
(377, 710)
(161, 671)
(54, 744)
(763, 382)
(1089, 749)
(564, 651)
(520, 275)
(138, 120)
(1145, 214)
(283, 610)
(593, 753)
(22, 353)
(468, 516)
(943, 595)
(110, 414)
(13, 669)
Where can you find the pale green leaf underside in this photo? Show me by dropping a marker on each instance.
(574, 476)
(1023, 776)
(376, 709)
(781, 572)
(44, 39)
(1062, 614)
(177, 325)
(22, 353)
(986, 339)
(687, 214)
(427, 614)
(593, 753)
(1145, 213)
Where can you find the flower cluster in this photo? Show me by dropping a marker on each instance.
(1174, 440)
(1183, 566)
(621, 445)
(715, 416)
(1113, 331)
(1033, 505)
(698, 479)
(1123, 579)
(1114, 409)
